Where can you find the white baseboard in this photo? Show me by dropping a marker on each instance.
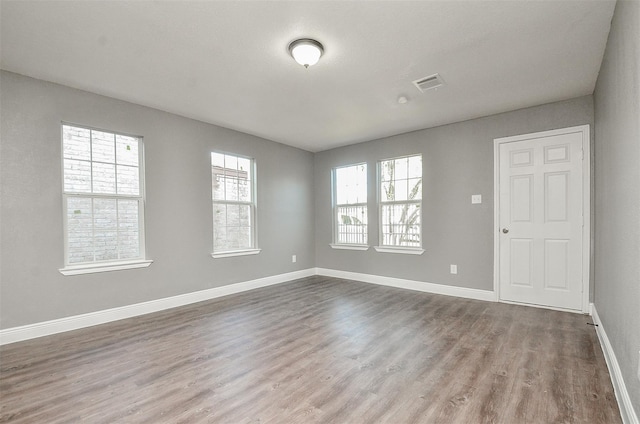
(411, 284)
(622, 395)
(16, 334)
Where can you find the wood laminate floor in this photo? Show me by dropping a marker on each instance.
(316, 350)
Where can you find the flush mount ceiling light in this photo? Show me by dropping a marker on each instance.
(306, 51)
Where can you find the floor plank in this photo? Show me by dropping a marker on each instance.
(316, 350)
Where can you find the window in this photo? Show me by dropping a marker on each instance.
(350, 206)
(400, 185)
(103, 200)
(234, 205)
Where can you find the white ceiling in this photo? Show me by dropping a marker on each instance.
(227, 62)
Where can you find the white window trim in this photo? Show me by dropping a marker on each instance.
(231, 253)
(402, 250)
(396, 249)
(335, 244)
(104, 267)
(253, 204)
(349, 246)
(114, 265)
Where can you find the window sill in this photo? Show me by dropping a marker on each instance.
(235, 253)
(104, 267)
(349, 246)
(402, 250)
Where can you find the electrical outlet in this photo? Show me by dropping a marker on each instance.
(293, 259)
(476, 198)
(454, 269)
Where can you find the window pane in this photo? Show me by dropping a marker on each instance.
(351, 184)
(128, 229)
(230, 187)
(400, 187)
(386, 170)
(415, 189)
(244, 187)
(351, 224)
(217, 160)
(387, 191)
(79, 230)
(401, 225)
(401, 169)
(244, 237)
(104, 178)
(244, 166)
(244, 215)
(233, 238)
(103, 147)
(231, 165)
(126, 150)
(105, 226)
(233, 215)
(104, 215)
(217, 183)
(415, 166)
(76, 143)
(220, 226)
(128, 180)
(77, 176)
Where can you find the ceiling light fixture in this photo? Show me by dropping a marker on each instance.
(306, 51)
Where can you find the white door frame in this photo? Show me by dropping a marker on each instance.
(586, 206)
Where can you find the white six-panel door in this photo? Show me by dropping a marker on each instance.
(540, 219)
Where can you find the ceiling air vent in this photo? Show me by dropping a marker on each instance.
(427, 83)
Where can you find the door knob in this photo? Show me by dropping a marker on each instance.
(505, 230)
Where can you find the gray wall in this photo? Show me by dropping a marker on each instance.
(178, 204)
(457, 162)
(617, 178)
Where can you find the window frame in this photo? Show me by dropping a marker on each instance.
(253, 204)
(409, 250)
(111, 264)
(336, 244)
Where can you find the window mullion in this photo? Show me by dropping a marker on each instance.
(91, 159)
(104, 195)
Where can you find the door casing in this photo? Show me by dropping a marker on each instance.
(586, 208)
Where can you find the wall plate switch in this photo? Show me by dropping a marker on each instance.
(293, 259)
(476, 198)
(454, 269)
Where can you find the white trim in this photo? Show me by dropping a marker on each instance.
(402, 250)
(401, 283)
(586, 204)
(622, 395)
(235, 253)
(31, 331)
(104, 267)
(349, 246)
